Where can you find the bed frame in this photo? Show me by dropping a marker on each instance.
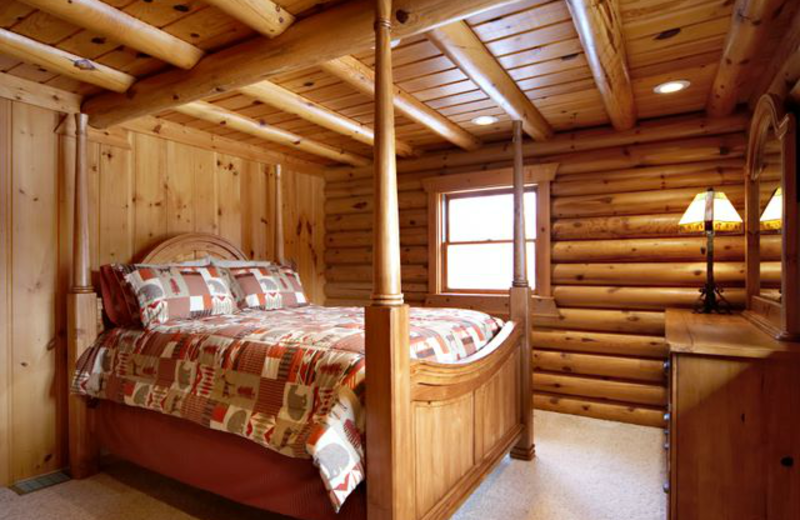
(434, 431)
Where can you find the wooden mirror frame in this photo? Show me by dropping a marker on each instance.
(780, 320)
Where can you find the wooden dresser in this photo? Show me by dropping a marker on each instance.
(734, 428)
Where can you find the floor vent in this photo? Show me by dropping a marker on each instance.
(23, 487)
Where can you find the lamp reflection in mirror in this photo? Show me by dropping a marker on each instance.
(711, 212)
(772, 218)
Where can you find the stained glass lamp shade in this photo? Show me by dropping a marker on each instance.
(710, 209)
(772, 218)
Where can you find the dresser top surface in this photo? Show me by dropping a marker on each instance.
(723, 335)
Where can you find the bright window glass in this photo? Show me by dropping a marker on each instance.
(488, 217)
(484, 267)
(478, 246)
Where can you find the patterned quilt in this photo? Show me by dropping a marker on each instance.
(291, 380)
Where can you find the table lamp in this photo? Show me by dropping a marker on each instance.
(711, 212)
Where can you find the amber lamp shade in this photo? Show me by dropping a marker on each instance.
(772, 218)
(710, 209)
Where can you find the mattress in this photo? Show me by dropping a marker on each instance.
(291, 380)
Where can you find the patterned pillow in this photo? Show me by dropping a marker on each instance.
(267, 288)
(119, 299)
(168, 293)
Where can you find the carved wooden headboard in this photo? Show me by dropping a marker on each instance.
(193, 246)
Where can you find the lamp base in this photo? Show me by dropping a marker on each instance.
(712, 301)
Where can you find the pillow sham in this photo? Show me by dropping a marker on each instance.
(119, 301)
(171, 292)
(267, 288)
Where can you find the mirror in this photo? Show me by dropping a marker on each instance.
(771, 223)
(770, 216)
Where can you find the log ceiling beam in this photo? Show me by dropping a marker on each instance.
(265, 16)
(335, 32)
(62, 62)
(459, 43)
(599, 27)
(362, 77)
(288, 101)
(751, 24)
(101, 18)
(234, 121)
(271, 20)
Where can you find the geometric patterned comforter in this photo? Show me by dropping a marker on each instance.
(291, 380)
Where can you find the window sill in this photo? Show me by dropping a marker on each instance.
(495, 304)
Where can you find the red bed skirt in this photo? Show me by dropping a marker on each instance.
(221, 463)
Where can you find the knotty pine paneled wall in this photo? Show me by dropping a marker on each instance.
(617, 262)
(140, 194)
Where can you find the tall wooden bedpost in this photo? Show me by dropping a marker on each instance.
(390, 471)
(519, 301)
(280, 256)
(81, 314)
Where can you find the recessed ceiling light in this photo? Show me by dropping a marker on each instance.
(671, 86)
(484, 120)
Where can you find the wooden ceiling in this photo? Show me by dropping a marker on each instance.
(532, 42)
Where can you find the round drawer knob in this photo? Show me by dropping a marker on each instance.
(666, 487)
(787, 462)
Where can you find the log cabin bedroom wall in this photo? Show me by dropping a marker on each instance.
(616, 114)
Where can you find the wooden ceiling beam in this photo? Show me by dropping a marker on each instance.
(343, 29)
(265, 16)
(288, 101)
(459, 43)
(234, 121)
(599, 27)
(362, 77)
(62, 62)
(118, 25)
(750, 28)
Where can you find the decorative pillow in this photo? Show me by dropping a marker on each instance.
(168, 293)
(119, 299)
(267, 288)
(119, 302)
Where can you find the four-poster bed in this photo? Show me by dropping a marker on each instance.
(433, 430)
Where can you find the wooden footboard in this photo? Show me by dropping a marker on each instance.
(465, 418)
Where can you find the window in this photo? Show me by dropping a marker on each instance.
(470, 233)
(477, 242)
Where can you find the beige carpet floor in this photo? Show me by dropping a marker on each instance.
(585, 469)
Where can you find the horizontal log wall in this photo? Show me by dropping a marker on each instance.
(143, 189)
(618, 261)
